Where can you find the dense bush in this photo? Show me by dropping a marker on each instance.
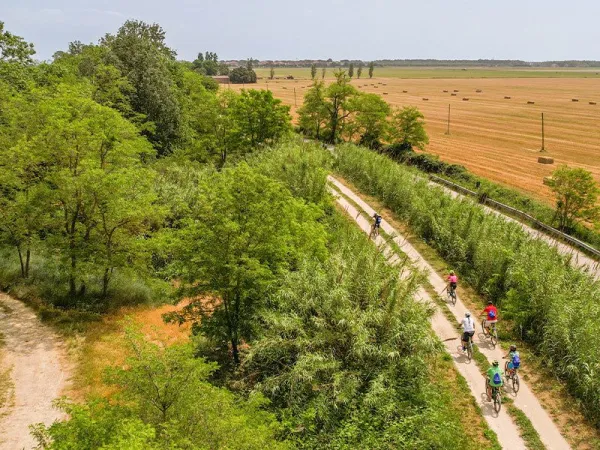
(241, 75)
(551, 304)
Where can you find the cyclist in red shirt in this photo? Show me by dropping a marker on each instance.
(491, 313)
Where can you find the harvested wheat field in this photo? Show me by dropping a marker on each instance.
(492, 135)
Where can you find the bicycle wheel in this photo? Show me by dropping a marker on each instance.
(497, 400)
(453, 298)
(485, 331)
(506, 370)
(516, 383)
(494, 336)
(470, 350)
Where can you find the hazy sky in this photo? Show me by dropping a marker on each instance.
(338, 29)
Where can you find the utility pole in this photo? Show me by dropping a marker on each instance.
(543, 137)
(448, 131)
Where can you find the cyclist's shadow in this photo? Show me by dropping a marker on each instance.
(487, 407)
(485, 341)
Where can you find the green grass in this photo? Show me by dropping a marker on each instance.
(443, 72)
(528, 433)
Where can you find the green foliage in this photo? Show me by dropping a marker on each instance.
(272, 73)
(371, 69)
(208, 64)
(549, 303)
(359, 71)
(407, 128)
(576, 194)
(368, 122)
(248, 231)
(14, 48)
(164, 401)
(313, 114)
(241, 75)
(313, 71)
(351, 70)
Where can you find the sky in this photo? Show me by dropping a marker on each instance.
(532, 30)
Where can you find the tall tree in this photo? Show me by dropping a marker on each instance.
(407, 128)
(313, 71)
(576, 194)
(359, 71)
(272, 73)
(371, 69)
(368, 122)
(14, 48)
(337, 95)
(323, 71)
(313, 113)
(351, 70)
(262, 231)
(144, 57)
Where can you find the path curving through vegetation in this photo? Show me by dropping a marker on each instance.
(39, 373)
(502, 424)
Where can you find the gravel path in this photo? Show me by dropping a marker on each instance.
(39, 373)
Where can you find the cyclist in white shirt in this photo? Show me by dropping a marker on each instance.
(468, 326)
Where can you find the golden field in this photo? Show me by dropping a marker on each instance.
(494, 137)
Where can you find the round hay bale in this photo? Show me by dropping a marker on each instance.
(592, 103)
(455, 90)
(574, 99)
(445, 90)
(405, 92)
(530, 103)
(465, 99)
(478, 90)
(545, 160)
(453, 94)
(425, 99)
(385, 93)
(506, 97)
(376, 87)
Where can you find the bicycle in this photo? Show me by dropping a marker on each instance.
(492, 332)
(497, 398)
(451, 295)
(512, 375)
(470, 348)
(374, 231)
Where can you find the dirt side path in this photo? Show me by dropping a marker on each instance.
(506, 430)
(39, 373)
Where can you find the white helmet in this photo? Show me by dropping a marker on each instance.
(468, 314)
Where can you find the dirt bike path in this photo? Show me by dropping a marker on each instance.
(39, 373)
(507, 431)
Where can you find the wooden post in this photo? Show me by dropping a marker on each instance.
(448, 131)
(295, 103)
(543, 137)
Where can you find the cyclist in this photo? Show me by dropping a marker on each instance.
(376, 224)
(491, 313)
(514, 360)
(468, 326)
(452, 281)
(493, 379)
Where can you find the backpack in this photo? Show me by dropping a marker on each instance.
(516, 361)
(492, 315)
(378, 220)
(497, 378)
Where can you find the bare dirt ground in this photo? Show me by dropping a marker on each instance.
(501, 423)
(492, 136)
(39, 373)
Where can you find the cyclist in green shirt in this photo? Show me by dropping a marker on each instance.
(493, 379)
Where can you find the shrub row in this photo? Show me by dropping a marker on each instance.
(549, 303)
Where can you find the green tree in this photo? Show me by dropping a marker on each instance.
(262, 232)
(313, 114)
(359, 71)
(242, 75)
(313, 71)
(14, 48)
(371, 69)
(407, 128)
(368, 121)
(351, 70)
(141, 54)
(338, 95)
(223, 69)
(272, 72)
(576, 194)
(323, 71)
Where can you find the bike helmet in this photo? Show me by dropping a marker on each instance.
(495, 363)
(468, 314)
(513, 348)
(452, 272)
(490, 302)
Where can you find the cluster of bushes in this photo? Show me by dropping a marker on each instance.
(548, 302)
(459, 174)
(242, 75)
